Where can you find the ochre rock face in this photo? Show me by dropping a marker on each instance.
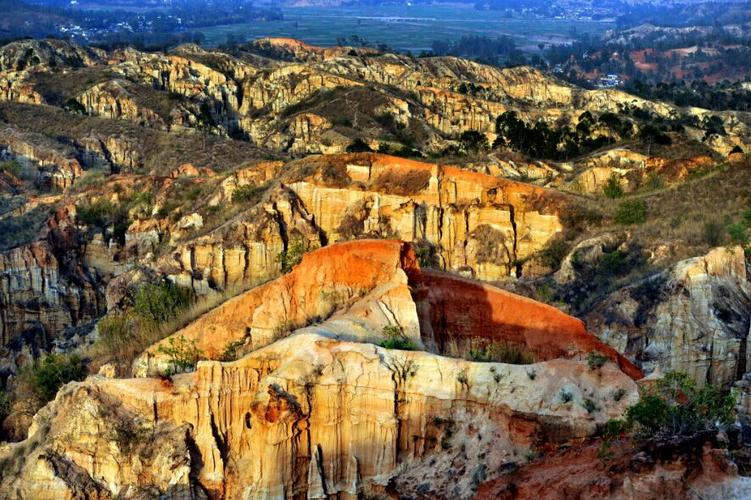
(476, 221)
(693, 317)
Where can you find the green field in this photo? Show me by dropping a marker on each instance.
(406, 28)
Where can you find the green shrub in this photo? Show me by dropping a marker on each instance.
(554, 251)
(653, 182)
(97, 214)
(11, 166)
(4, 407)
(502, 352)
(183, 353)
(53, 371)
(747, 216)
(674, 408)
(612, 188)
(566, 396)
(596, 360)
(473, 141)
(292, 256)
(738, 233)
(359, 146)
(395, 339)
(426, 257)
(249, 193)
(631, 212)
(232, 350)
(713, 232)
(590, 405)
(102, 214)
(161, 302)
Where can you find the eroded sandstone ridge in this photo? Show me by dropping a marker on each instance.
(315, 409)
(289, 96)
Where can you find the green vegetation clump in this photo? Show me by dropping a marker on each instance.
(539, 140)
(596, 360)
(675, 409)
(249, 193)
(293, 255)
(738, 233)
(359, 146)
(590, 405)
(566, 396)
(102, 214)
(152, 315)
(183, 353)
(502, 352)
(52, 372)
(232, 351)
(713, 232)
(23, 229)
(12, 167)
(4, 406)
(426, 256)
(473, 141)
(612, 188)
(395, 339)
(631, 212)
(161, 302)
(554, 251)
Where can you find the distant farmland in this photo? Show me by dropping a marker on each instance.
(406, 28)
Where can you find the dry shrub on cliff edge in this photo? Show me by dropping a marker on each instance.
(124, 336)
(402, 184)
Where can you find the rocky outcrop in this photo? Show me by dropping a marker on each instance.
(318, 411)
(15, 88)
(632, 170)
(477, 223)
(112, 99)
(51, 164)
(24, 54)
(693, 317)
(43, 293)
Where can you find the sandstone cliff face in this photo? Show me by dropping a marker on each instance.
(312, 416)
(476, 222)
(319, 411)
(43, 291)
(693, 317)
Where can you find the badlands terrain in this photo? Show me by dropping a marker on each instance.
(293, 271)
